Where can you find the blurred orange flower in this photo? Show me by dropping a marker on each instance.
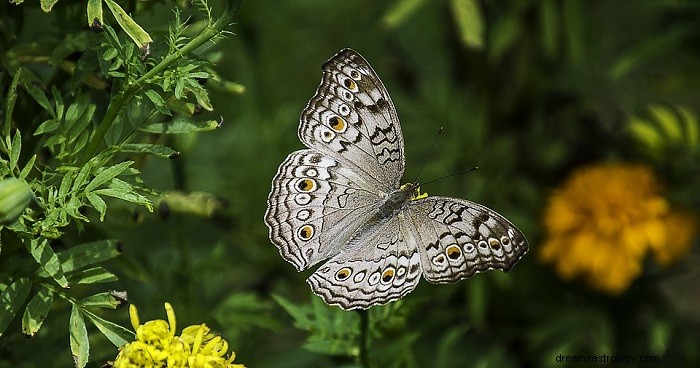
(603, 221)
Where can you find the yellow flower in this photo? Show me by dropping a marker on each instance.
(605, 219)
(157, 346)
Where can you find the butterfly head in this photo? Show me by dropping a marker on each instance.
(413, 191)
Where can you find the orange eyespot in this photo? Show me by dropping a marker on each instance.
(306, 232)
(387, 275)
(343, 274)
(494, 243)
(453, 252)
(349, 84)
(337, 123)
(306, 185)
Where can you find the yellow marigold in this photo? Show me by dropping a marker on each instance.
(605, 219)
(157, 346)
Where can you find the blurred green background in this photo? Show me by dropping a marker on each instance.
(525, 90)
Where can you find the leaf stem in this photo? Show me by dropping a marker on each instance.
(364, 337)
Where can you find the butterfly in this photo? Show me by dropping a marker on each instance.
(340, 201)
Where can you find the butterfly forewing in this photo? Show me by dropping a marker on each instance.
(352, 118)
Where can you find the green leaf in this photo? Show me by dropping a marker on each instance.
(59, 101)
(97, 203)
(101, 300)
(126, 195)
(86, 254)
(27, 168)
(135, 32)
(692, 128)
(573, 14)
(401, 11)
(16, 149)
(47, 127)
(549, 27)
(93, 275)
(118, 335)
(153, 149)
(40, 97)
(49, 261)
(107, 175)
(82, 176)
(94, 14)
(65, 186)
(79, 344)
(299, 314)
(668, 121)
(36, 311)
(11, 299)
(181, 125)
(10, 102)
(467, 14)
(505, 32)
(158, 101)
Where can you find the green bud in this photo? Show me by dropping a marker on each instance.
(15, 196)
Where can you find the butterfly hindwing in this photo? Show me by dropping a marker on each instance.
(380, 264)
(352, 118)
(458, 238)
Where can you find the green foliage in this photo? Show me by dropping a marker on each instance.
(528, 91)
(73, 134)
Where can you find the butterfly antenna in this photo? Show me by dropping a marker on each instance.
(425, 159)
(453, 174)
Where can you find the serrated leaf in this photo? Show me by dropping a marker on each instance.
(93, 275)
(79, 344)
(40, 97)
(101, 300)
(118, 335)
(49, 261)
(468, 17)
(180, 125)
(16, 150)
(65, 186)
(59, 101)
(153, 149)
(82, 176)
(11, 299)
(300, 314)
(126, 195)
(135, 32)
(158, 102)
(81, 123)
(107, 174)
(86, 254)
(47, 127)
(36, 311)
(97, 203)
(27, 168)
(10, 100)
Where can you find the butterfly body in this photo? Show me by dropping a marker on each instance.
(339, 201)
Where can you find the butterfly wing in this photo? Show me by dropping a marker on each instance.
(315, 205)
(352, 119)
(458, 238)
(379, 265)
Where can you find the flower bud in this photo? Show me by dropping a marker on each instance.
(15, 196)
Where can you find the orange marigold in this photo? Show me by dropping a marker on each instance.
(602, 222)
